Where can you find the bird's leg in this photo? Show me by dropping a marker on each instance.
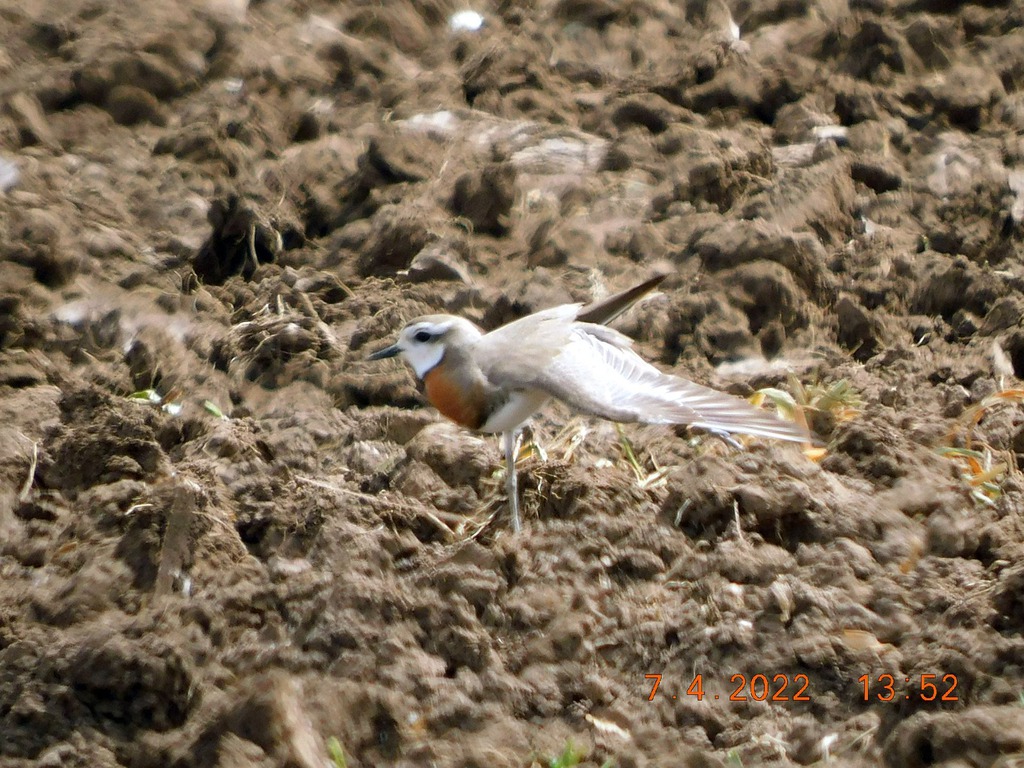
(511, 481)
(726, 438)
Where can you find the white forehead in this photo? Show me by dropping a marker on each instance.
(434, 328)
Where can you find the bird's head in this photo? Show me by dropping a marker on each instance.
(424, 342)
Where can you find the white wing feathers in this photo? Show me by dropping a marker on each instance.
(598, 373)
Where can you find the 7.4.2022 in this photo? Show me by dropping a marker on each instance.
(755, 688)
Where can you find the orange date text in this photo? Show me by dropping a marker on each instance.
(757, 687)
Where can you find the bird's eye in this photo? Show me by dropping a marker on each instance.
(423, 336)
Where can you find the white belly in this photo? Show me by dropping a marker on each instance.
(520, 407)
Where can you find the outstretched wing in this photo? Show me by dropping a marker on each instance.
(597, 372)
(510, 355)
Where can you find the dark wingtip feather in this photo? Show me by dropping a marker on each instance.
(604, 311)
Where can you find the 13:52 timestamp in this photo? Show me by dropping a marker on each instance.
(926, 687)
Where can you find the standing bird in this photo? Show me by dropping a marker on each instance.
(494, 382)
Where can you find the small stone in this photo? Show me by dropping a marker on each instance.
(130, 105)
(982, 388)
(964, 323)
(955, 399)
(888, 396)
(438, 262)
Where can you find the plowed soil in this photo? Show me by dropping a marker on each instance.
(226, 538)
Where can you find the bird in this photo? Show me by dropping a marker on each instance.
(493, 382)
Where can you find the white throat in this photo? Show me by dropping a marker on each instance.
(424, 357)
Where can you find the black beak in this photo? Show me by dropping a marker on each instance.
(380, 354)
